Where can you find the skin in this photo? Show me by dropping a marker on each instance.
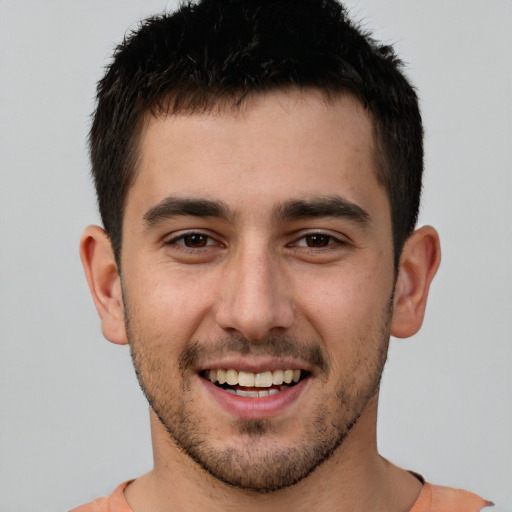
(201, 291)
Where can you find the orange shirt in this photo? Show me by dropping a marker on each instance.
(433, 498)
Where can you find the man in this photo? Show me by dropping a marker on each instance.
(258, 168)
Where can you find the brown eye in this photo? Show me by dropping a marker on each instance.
(195, 240)
(317, 240)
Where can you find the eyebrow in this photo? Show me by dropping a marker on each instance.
(329, 206)
(171, 207)
(295, 209)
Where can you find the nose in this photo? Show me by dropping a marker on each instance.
(255, 295)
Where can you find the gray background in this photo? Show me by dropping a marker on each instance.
(74, 423)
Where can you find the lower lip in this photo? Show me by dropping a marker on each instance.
(256, 408)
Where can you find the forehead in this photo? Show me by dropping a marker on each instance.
(275, 147)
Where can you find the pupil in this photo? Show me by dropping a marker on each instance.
(195, 240)
(317, 240)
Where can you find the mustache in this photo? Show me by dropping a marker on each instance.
(274, 345)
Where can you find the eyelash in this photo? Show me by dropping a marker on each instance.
(331, 240)
(182, 237)
(180, 241)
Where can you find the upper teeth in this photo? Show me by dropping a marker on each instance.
(254, 380)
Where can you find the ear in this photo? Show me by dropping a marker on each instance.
(104, 282)
(418, 265)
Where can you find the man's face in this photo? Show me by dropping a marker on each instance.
(257, 249)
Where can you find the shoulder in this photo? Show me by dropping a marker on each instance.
(436, 498)
(113, 503)
(98, 505)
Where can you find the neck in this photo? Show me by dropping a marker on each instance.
(355, 478)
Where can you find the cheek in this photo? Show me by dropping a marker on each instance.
(165, 304)
(349, 312)
(346, 298)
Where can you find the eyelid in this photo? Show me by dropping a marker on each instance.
(337, 238)
(174, 238)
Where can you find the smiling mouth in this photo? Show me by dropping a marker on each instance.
(254, 385)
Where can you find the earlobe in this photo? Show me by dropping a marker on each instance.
(104, 282)
(418, 265)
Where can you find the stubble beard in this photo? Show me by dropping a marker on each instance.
(255, 464)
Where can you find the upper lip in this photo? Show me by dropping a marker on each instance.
(255, 364)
